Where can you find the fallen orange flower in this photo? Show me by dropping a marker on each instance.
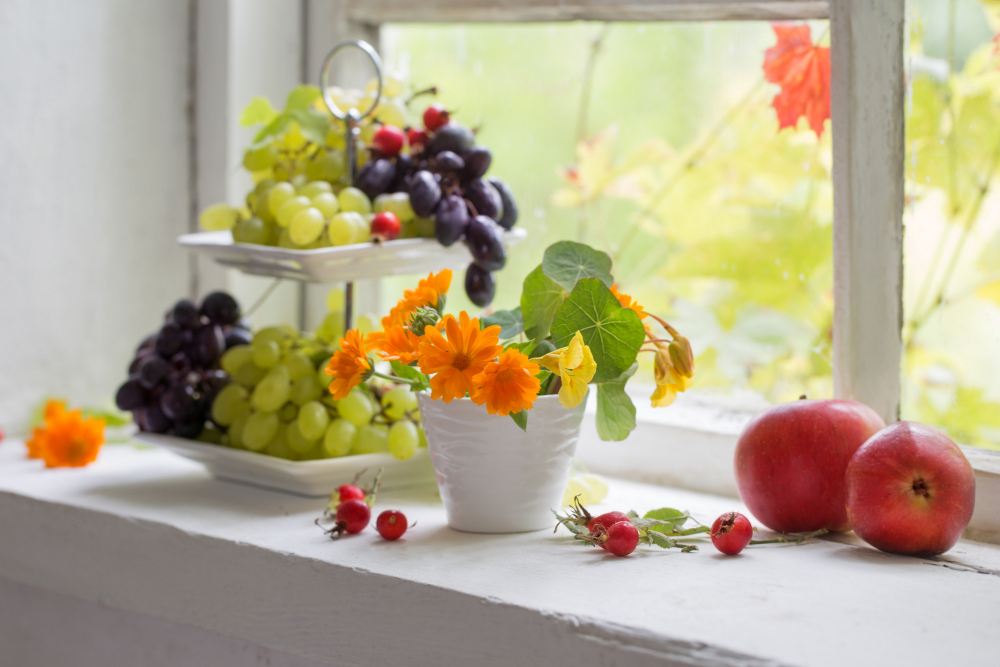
(70, 441)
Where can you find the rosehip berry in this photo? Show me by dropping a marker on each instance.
(731, 532)
(354, 514)
(416, 137)
(623, 538)
(385, 226)
(349, 492)
(388, 140)
(391, 524)
(435, 117)
(606, 520)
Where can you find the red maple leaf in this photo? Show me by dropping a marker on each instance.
(802, 69)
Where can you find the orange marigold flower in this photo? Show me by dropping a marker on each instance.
(349, 366)
(35, 443)
(53, 410)
(397, 343)
(508, 385)
(628, 302)
(429, 292)
(70, 441)
(455, 361)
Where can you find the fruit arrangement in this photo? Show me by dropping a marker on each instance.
(414, 182)
(350, 510)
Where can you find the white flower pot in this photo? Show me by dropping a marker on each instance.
(494, 477)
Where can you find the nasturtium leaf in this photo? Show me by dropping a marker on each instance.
(540, 298)
(540, 350)
(258, 112)
(510, 322)
(313, 124)
(615, 411)
(520, 347)
(301, 97)
(567, 262)
(521, 419)
(613, 333)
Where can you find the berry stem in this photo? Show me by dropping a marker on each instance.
(797, 540)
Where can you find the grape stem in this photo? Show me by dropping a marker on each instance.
(263, 297)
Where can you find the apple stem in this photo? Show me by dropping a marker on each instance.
(797, 540)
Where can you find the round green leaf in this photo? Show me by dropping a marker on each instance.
(567, 263)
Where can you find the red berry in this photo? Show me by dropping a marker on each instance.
(731, 532)
(389, 140)
(349, 492)
(435, 117)
(391, 524)
(623, 537)
(385, 226)
(354, 514)
(606, 520)
(416, 137)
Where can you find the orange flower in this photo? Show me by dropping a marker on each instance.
(429, 292)
(349, 366)
(53, 410)
(508, 385)
(454, 362)
(397, 343)
(628, 302)
(70, 440)
(802, 69)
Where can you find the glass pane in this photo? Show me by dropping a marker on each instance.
(951, 370)
(658, 144)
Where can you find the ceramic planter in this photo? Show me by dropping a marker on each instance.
(494, 477)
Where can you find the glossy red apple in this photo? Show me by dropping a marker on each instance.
(791, 458)
(910, 490)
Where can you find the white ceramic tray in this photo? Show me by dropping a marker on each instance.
(306, 478)
(340, 264)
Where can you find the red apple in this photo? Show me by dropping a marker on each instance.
(791, 458)
(910, 490)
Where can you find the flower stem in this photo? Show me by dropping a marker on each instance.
(394, 378)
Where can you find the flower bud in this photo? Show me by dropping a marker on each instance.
(681, 356)
(422, 318)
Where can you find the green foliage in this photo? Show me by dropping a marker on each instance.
(615, 410)
(419, 380)
(567, 262)
(540, 298)
(521, 419)
(510, 322)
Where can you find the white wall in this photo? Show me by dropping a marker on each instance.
(93, 190)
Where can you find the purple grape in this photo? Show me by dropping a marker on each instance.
(155, 420)
(208, 344)
(169, 341)
(147, 343)
(480, 285)
(425, 193)
(404, 165)
(133, 368)
(185, 315)
(453, 137)
(130, 395)
(477, 161)
(485, 240)
(189, 429)
(152, 371)
(450, 220)
(448, 161)
(178, 401)
(220, 308)
(509, 217)
(484, 198)
(375, 177)
(238, 336)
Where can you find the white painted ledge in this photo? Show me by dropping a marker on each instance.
(142, 531)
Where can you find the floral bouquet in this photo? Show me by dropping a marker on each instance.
(572, 329)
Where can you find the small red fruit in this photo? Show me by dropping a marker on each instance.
(354, 515)
(416, 137)
(389, 140)
(385, 226)
(607, 520)
(731, 532)
(435, 117)
(349, 492)
(391, 524)
(623, 538)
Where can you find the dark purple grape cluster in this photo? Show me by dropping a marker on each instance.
(175, 374)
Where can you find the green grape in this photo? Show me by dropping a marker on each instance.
(371, 439)
(398, 401)
(313, 188)
(423, 436)
(315, 454)
(280, 446)
(275, 333)
(331, 329)
(391, 87)
(339, 437)
(356, 408)
(327, 204)
(238, 233)
(397, 203)
(352, 199)
(235, 431)
(299, 443)
(260, 159)
(282, 370)
(235, 357)
(299, 365)
(271, 393)
(364, 228)
(391, 113)
(266, 353)
(288, 412)
(254, 230)
(306, 226)
(307, 389)
(403, 439)
(343, 228)
(280, 193)
(220, 217)
(229, 404)
(260, 429)
(285, 240)
(321, 376)
(249, 375)
(211, 435)
(290, 209)
(408, 230)
(313, 420)
(333, 164)
(425, 227)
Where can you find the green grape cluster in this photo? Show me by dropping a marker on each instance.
(279, 404)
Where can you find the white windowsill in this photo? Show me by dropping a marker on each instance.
(151, 534)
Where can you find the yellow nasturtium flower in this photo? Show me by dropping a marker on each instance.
(673, 369)
(575, 365)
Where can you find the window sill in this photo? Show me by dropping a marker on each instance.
(151, 534)
(691, 444)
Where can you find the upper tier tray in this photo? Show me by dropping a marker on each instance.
(340, 264)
